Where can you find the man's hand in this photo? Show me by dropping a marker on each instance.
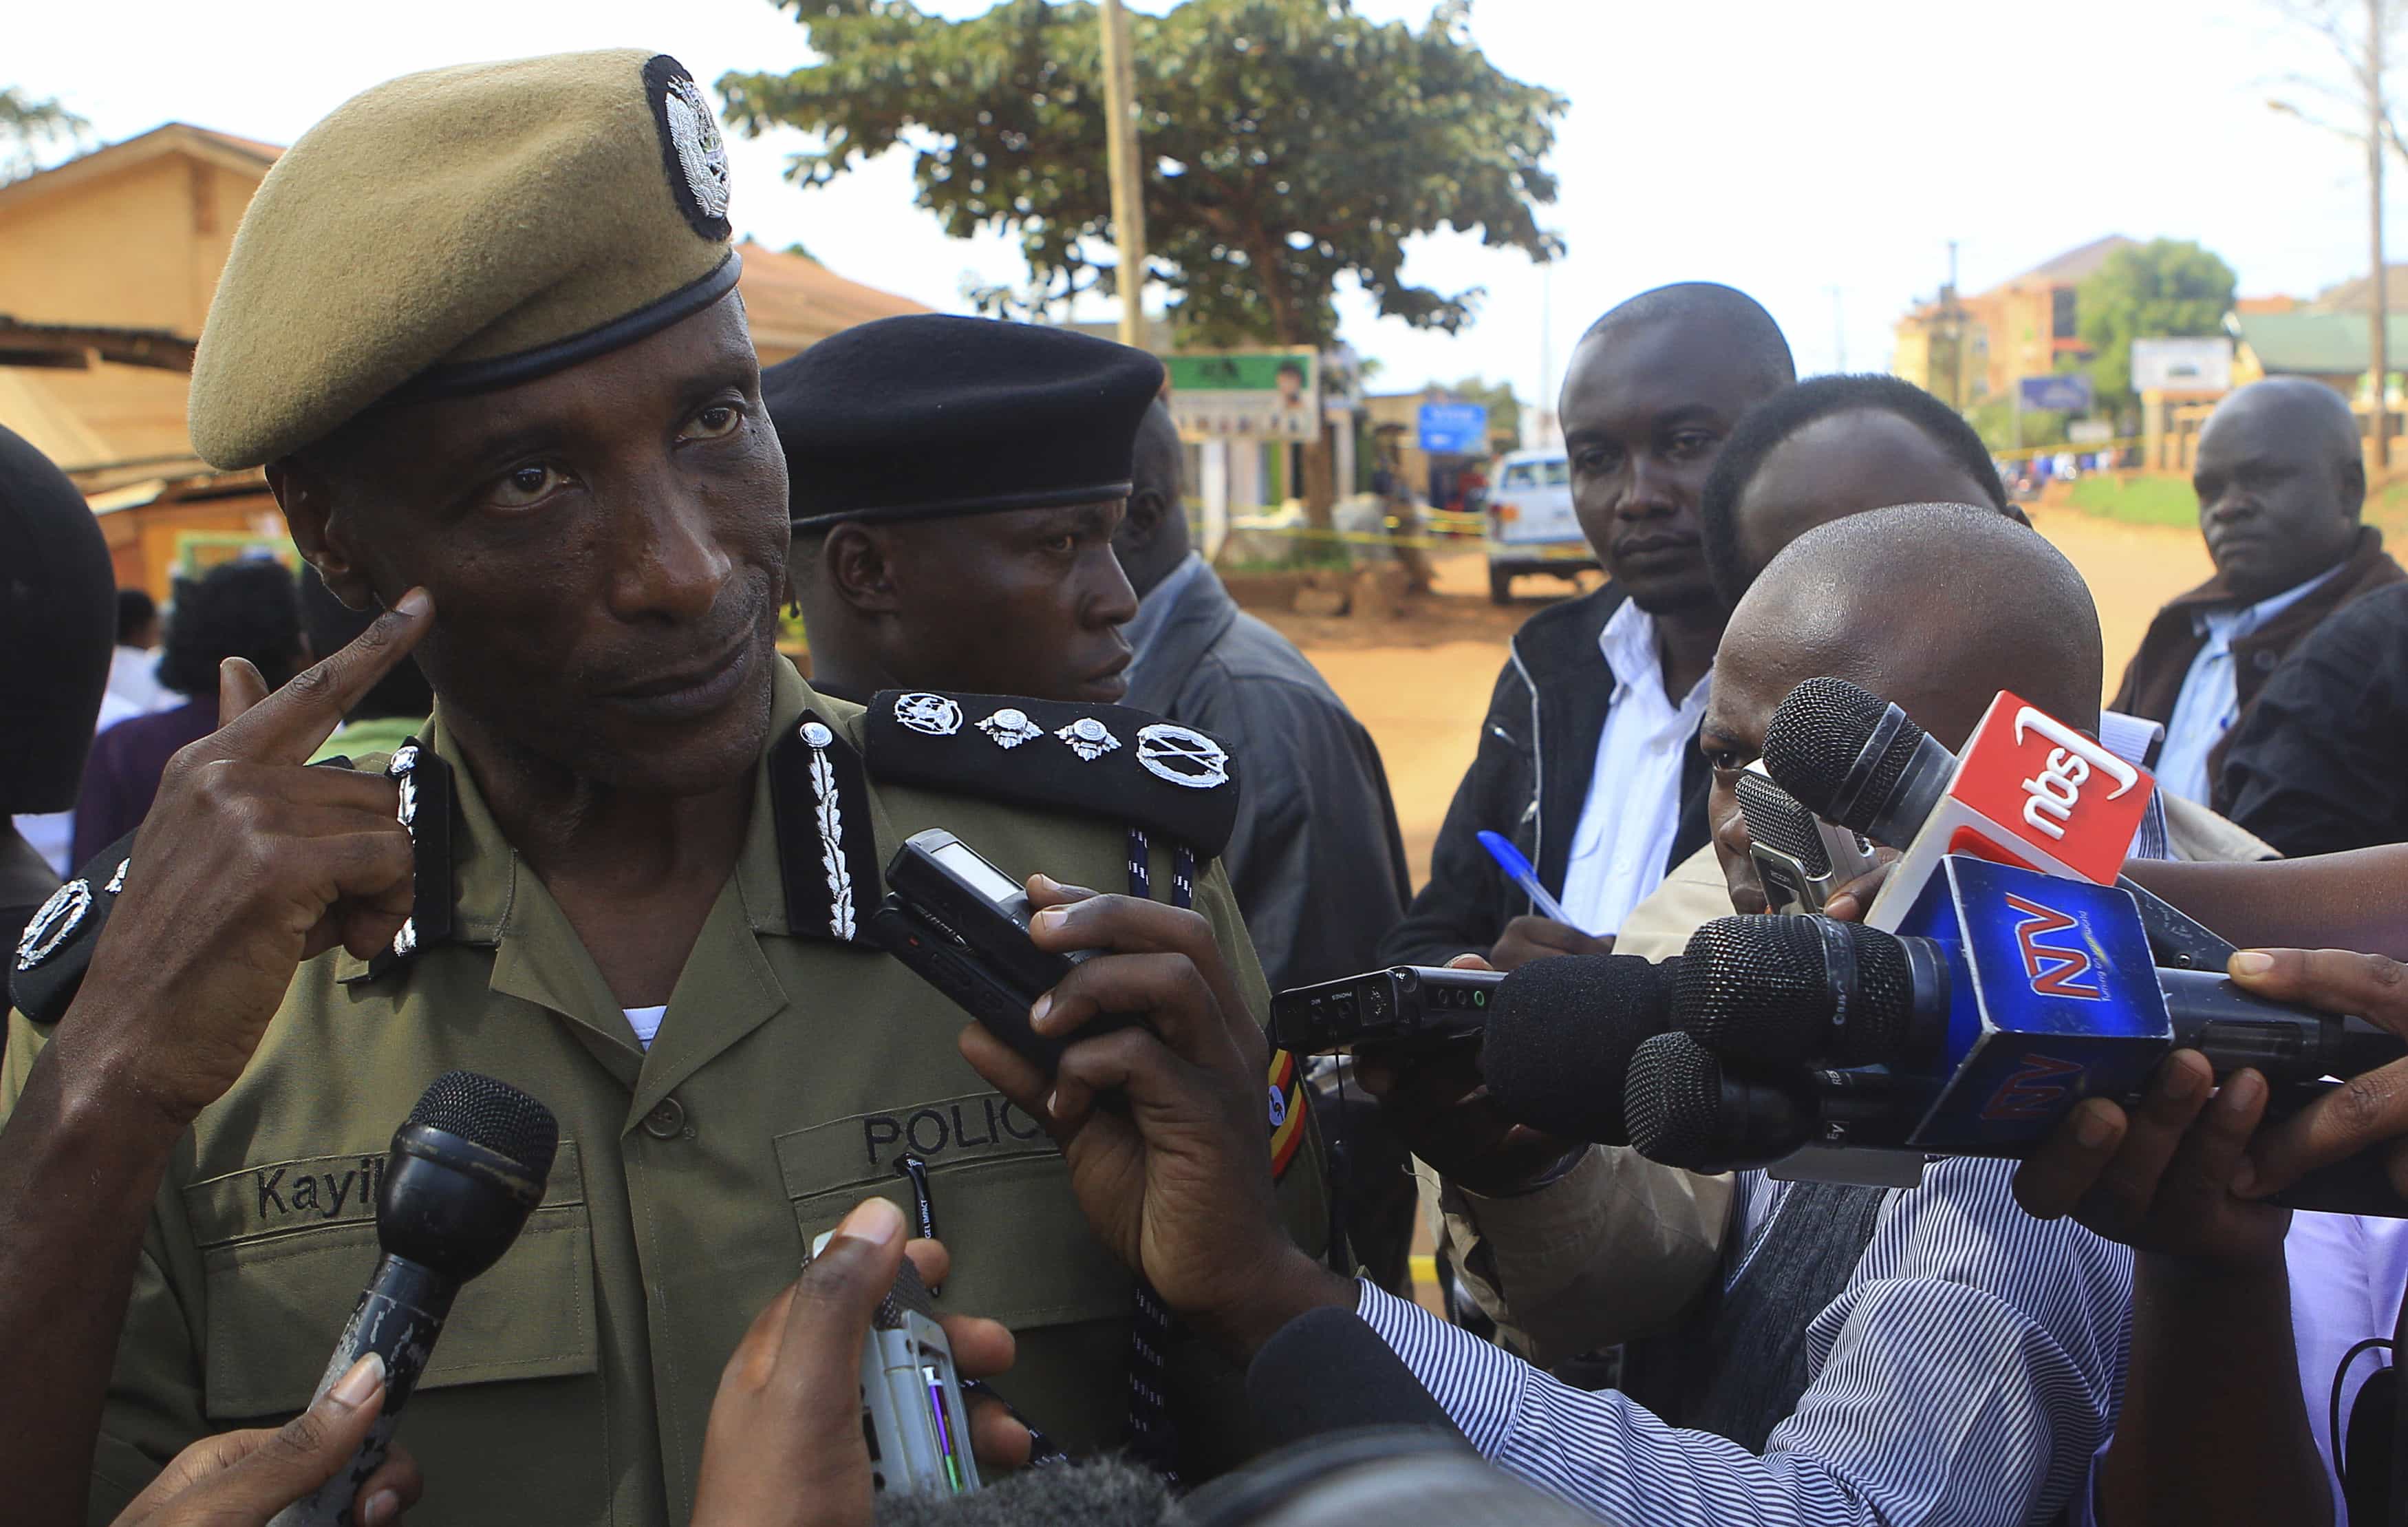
(1529, 938)
(2365, 1111)
(1851, 901)
(247, 864)
(2160, 1180)
(1438, 1103)
(1177, 1181)
(785, 1448)
(242, 1479)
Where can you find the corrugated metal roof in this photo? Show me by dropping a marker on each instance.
(2316, 344)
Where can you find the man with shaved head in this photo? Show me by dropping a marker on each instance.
(1926, 1355)
(2281, 482)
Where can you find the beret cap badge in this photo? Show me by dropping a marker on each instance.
(691, 150)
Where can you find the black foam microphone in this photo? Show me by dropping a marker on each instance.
(1794, 989)
(467, 1168)
(1326, 1371)
(1691, 1108)
(1560, 1035)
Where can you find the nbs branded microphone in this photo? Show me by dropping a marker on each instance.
(2030, 790)
(467, 1168)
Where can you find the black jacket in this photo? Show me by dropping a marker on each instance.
(1315, 858)
(2320, 762)
(1529, 781)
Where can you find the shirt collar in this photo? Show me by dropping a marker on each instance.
(485, 866)
(1154, 610)
(2233, 623)
(1629, 643)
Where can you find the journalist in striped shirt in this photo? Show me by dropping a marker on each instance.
(1965, 1368)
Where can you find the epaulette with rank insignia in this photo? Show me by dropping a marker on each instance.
(1108, 760)
(46, 969)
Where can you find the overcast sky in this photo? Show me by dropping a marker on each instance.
(1817, 157)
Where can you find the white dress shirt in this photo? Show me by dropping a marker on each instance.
(1624, 841)
(2210, 702)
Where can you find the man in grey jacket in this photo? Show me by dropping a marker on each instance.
(1315, 858)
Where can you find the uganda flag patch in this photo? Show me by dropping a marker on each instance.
(1286, 1111)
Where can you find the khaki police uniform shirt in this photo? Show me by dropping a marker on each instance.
(790, 1075)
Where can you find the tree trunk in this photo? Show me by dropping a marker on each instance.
(1320, 487)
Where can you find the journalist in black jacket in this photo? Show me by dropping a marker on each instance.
(1654, 389)
(1529, 781)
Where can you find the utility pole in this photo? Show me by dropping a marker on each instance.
(1128, 197)
(2379, 316)
(1955, 335)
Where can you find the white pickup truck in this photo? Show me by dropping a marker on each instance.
(1531, 526)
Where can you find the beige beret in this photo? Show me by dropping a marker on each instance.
(458, 231)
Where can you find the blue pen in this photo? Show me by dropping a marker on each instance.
(1509, 858)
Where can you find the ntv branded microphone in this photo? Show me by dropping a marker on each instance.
(2028, 790)
(1560, 1036)
(467, 1166)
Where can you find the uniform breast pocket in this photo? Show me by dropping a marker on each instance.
(511, 1402)
(1022, 1252)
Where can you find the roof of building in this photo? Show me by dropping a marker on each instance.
(2068, 269)
(243, 155)
(2356, 294)
(793, 301)
(2313, 344)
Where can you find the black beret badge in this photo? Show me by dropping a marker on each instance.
(692, 150)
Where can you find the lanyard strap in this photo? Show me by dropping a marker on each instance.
(1150, 1434)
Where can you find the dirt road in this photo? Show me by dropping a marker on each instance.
(1421, 682)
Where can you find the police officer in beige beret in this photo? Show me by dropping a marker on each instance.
(480, 327)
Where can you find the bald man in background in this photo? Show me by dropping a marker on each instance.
(1930, 1354)
(2281, 483)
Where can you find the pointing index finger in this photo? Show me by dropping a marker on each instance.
(287, 725)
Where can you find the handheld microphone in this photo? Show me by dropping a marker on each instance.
(1561, 1037)
(1776, 989)
(2022, 992)
(1690, 1106)
(1800, 859)
(467, 1167)
(2028, 790)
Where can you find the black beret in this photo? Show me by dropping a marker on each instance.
(58, 624)
(928, 416)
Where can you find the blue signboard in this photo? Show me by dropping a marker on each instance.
(2068, 392)
(1455, 429)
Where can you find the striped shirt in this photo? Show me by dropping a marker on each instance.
(1966, 1373)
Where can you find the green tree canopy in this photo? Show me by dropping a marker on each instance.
(1287, 143)
(2166, 288)
(27, 125)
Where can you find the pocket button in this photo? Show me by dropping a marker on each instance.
(667, 1120)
